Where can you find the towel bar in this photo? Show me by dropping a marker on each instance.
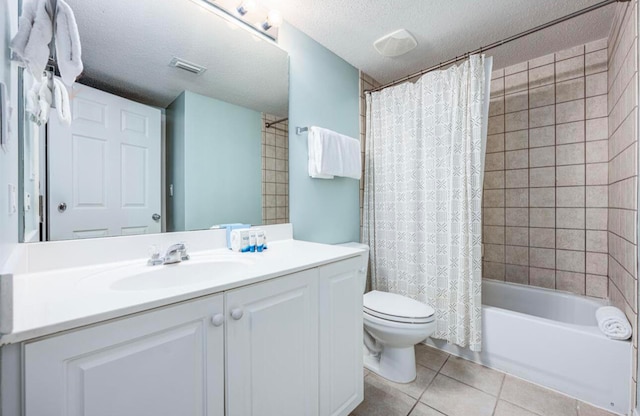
(300, 130)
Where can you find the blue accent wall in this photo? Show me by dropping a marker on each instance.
(215, 163)
(323, 91)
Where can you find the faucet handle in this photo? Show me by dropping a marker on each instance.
(183, 252)
(154, 256)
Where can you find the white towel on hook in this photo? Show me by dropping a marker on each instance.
(35, 30)
(333, 154)
(613, 323)
(61, 99)
(68, 48)
(39, 99)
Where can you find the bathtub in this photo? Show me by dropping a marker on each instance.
(552, 339)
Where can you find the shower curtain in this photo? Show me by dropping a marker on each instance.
(424, 164)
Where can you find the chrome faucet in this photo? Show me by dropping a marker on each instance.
(175, 254)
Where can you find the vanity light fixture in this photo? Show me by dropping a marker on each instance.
(245, 7)
(274, 19)
(242, 14)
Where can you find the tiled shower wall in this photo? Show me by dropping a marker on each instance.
(275, 171)
(546, 176)
(366, 83)
(623, 165)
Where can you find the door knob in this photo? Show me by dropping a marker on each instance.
(217, 320)
(156, 217)
(62, 207)
(236, 313)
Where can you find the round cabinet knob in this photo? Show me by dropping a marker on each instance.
(156, 217)
(217, 320)
(62, 207)
(236, 313)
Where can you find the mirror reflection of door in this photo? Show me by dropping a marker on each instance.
(105, 173)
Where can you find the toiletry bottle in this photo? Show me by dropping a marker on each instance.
(252, 241)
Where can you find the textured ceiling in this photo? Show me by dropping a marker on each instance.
(443, 28)
(127, 46)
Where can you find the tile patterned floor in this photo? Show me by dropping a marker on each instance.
(450, 386)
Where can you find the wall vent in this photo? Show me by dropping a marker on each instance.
(187, 66)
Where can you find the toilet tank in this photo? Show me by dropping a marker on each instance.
(364, 261)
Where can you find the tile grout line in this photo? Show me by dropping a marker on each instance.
(495, 407)
(584, 141)
(555, 174)
(428, 385)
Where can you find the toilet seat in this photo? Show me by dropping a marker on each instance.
(397, 308)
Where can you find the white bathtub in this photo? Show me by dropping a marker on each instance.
(551, 338)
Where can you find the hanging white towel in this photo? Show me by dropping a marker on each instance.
(613, 323)
(68, 48)
(61, 98)
(39, 99)
(333, 154)
(35, 30)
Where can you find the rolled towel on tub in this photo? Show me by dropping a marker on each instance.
(613, 323)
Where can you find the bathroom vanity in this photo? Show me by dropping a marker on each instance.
(273, 333)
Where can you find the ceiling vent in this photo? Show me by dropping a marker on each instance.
(187, 66)
(396, 43)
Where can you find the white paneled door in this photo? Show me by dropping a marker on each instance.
(104, 169)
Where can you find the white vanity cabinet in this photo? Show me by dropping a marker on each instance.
(341, 381)
(272, 347)
(291, 345)
(166, 362)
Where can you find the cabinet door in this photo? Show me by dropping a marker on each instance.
(168, 362)
(272, 347)
(341, 378)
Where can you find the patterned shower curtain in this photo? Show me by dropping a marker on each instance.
(423, 191)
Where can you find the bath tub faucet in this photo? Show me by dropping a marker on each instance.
(175, 254)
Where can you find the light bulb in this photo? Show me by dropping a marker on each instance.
(246, 7)
(274, 19)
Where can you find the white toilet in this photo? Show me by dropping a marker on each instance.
(393, 325)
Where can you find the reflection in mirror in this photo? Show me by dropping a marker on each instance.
(168, 132)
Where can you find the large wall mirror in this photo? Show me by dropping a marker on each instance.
(178, 122)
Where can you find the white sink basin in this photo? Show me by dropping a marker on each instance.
(190, 272)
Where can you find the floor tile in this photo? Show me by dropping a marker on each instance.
(366, 372)
(507, 409)
(383, 402)
(429, 357)
(473, 374)
(424, 410)
(414, 389)
(588, 410)
(456, 399)
(537, 399)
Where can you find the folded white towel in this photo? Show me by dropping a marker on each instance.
(613, 323)
(333, 154)
(68, 48)
(61, 98)
(35, 30)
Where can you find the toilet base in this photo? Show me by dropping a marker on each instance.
(394, 364)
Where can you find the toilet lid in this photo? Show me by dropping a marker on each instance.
(396, 307)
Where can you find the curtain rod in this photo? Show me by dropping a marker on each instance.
(498, 43)
(268, 125)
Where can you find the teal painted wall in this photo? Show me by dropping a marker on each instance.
(323, 91)
(219, 162)
(175, 139)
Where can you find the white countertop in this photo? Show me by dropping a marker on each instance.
(48, 302)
